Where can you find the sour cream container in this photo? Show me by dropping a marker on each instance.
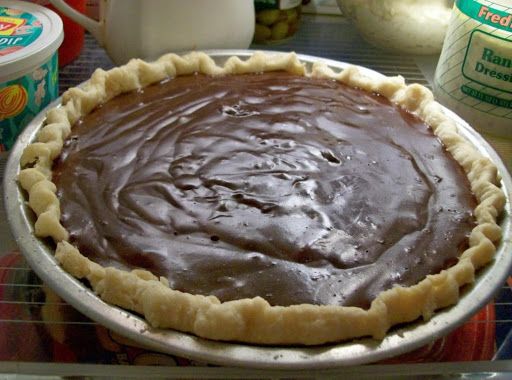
(30, 36)
(474, 73)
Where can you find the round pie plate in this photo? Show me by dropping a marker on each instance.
(399, 340)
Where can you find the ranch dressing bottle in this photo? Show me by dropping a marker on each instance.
(474, 73)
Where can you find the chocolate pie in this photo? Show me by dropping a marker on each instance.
(262, 203)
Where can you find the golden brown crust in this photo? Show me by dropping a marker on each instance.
(254, 320)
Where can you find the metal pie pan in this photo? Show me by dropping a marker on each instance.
(399, 340)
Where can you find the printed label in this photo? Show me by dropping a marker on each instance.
(486, 15)
(13, 100)
(18, 29)
(488, 61)
(8, 25)
(23, 98)
(485, 97)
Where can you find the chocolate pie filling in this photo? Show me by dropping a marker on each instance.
(294, 189)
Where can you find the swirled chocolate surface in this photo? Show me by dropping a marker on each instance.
(294, 189)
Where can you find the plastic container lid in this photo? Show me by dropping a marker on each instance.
(32, 32)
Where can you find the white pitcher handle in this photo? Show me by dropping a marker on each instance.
(94, 27)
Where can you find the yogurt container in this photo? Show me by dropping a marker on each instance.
(30, 36)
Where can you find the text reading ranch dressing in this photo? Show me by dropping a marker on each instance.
(474, 73)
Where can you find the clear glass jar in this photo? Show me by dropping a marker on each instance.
(276, 20)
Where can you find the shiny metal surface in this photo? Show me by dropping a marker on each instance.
(400, 340)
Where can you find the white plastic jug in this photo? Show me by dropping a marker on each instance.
(146, 29)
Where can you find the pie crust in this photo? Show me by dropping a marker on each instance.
(255, 320)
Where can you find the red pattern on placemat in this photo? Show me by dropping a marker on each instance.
(475, 340)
